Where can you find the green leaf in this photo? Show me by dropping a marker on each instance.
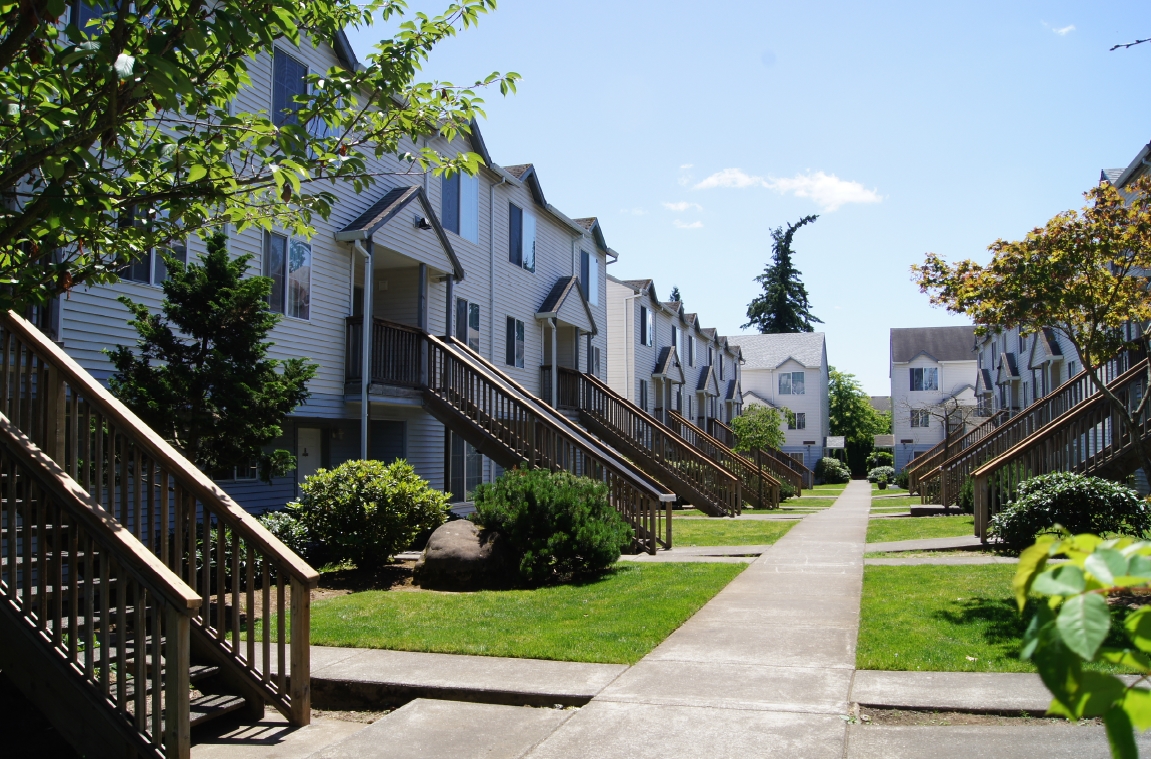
(1083, 623)
(1031, 562)
(124, 65)
(1139, 566)
(197, 172)
(1063, 580)
(1126, 658)
(1137, 704)
(1097, 693)
(1138, 626)
(1120, 734)
(1106, 564)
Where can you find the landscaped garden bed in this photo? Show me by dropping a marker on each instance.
(616, 618)
(919, 528)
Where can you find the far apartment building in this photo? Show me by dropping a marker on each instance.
(790, 371)
(661, 359)
(933, 384)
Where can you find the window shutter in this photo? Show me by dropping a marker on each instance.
(450, 202)
(643, 325)
(515, 234)
(584, 274)
(462, 320)
(510, 343)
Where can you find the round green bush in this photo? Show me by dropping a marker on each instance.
(831, 471)
(886, 473)
(287, 529)
(364, 512)
(786, 491)
(902, 479)
(880, 458)
(559, 525)
(1080, 504)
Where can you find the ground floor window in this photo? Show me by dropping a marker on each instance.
(467, 469)
(468, 323)
(514, 343)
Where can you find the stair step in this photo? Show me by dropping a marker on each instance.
(199, 672)
(207, 708)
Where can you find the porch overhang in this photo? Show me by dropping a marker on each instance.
(566, 303)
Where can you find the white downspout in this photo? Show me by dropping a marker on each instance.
(366, 349)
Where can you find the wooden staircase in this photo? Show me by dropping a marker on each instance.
(759, 487)
(136, 598)
(924, 475)
(783, 467)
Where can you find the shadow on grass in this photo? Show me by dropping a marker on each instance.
(1001, 624)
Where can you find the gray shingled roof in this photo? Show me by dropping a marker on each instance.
(518, 170)
(586, 223)
(1110, 175)
(941, 343)
(769, 351)
(881, 402)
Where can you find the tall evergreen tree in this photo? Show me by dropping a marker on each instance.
(675, 293)
(783, 306)
(202, 378)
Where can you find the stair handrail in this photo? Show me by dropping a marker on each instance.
(81, 548)
(750, 473)
(54, 405)
(1041, 452)
(807, 477)
(928, 476)
(724, 490)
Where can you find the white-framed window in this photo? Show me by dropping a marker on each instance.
(920, 418)
(791, 383)
(460, 205)
(797, 421)
(646, 326)
(675, 341)
(468, 323)
(288, 263)
(521, 238)
(150, 268)
(1072, 369)
(595, 360)
(924, 379)
(690, 343)
(514, 343)
(289, 81)
(237, 473)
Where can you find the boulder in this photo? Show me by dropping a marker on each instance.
(462, 556)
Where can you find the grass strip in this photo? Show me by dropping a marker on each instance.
(616, 619)
(729, 532)
(943, 619)
(919, 528)
(903, 500)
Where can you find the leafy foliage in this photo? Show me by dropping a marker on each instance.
(883, 474)
(832, 471)
(287, 529)
(560, 525)
(880, 458)
(1052, 502)
(202, 378)
(966, 500)
(1071, 626)
(131, 117)
(903, 479)
(367, 511)
(1083, 275)
(786, 491)
(851, 414)
(783, 306)
(759, 427)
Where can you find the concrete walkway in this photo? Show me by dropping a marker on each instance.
(764, 669)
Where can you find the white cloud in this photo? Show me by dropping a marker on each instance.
(827, 190)
(1064, 31)
(684, 225)
(682, 206)
(686, 165)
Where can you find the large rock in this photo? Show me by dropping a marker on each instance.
(461, 556)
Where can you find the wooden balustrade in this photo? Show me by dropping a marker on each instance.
(667, 455)
(512, 427)
(395, 352)
(253, 586)
(925, 473)
(1001, 437)
(757, 484)
(95, 600)
(1088, 438)
(783, 467)
(567, 384)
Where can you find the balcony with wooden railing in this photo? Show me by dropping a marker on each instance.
(567, 387)
(783, 467)
(395, 355)
(759, 488)
(1089, 438)
(255, 591)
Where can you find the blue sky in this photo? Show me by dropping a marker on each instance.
(692, 129)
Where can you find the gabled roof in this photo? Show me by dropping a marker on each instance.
(526, 173)
(566, 302)
(668, 365)
(673, 305)
(1110, 175)
(770, 351)
(1008, 368)
(707, 382)
(733, 390)
(1132, 168)
(387, 208)
(708, 332)
(985, 378)
(753, 398)
(1044, 349)
(592, 225)
(939, 343)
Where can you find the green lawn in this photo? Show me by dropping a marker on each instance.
(900, 500)
(728, 532)
(942, 619)
(616, 619)
(825, 490)
(889, 490)
(917, 528)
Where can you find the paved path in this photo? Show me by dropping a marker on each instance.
(764, 669)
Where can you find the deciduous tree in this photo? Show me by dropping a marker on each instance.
(851, 415)
(759, 427)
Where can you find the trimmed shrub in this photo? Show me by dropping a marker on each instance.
(966, 501)
(884, 473)
(287, 529)
(559, 525)
(1080, 504)
(367, 511)
(880, 458)
(831, 471)
(902, 480)
(786, 491)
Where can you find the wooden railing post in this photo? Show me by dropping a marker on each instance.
(177, 724)
(300, 685)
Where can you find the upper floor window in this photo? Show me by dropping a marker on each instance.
(710, 356)
(85, 14)
(920, 418)
(514, 345)
(675, 340)
(924, 378)
(521, 238)
(646, 328)
(468, 323)
(150, 268)
(288, 262)
(797, 421)
(791, 383)
(289, 80)
(593, 359)
(643, 394)
(690, 345)
(721, 363)
(589, 276)
(460, 205)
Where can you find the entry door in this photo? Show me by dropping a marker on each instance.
(309, 451)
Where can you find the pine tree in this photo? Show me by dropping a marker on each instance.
(783, 306)
(675, 293)
(202, 378)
